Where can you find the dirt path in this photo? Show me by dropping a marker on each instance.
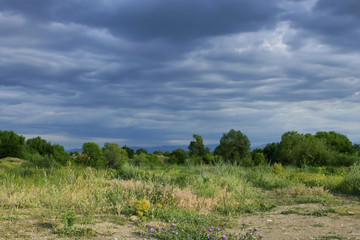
(308, 221)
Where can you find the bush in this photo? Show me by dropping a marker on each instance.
(178, 156)
(351, 181)
(142, 207)
(36, 159)
(278, 168)
(342, 159)
(258, 158)
(140, 159)
(68, 218)
(11, 144)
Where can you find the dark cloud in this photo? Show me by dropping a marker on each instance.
(155, 72)
(332, 22)
(174, 20)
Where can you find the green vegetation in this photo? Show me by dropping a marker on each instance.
(196, 190)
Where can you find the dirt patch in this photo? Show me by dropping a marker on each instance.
(308, 221)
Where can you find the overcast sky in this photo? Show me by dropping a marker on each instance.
(154, 72)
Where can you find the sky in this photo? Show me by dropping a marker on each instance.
(155, 72)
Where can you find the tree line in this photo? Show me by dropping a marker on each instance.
(321, 149)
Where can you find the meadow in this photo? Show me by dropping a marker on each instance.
(168, 201)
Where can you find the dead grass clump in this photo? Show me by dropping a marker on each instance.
(304, 194)
(186, 199)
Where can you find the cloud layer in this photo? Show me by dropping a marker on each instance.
(155, 72)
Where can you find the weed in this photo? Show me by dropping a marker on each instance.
(142, 207)
(278, 168)
(68, 218)
(198, 228)
(75, 232)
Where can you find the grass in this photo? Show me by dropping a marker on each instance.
(215, 194)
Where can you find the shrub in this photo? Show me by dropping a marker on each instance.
(277, 168)
(342, 159)
(35, 159)
(178, 156)
(142, 207)
(258, 158)
(68, 218)
(351, 181)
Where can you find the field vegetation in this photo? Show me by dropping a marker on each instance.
(184, 194)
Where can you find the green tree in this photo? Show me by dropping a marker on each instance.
(39, 145)
(311, 151)
(257, 157)
(197, 148)
(59, 154)
(234, 146)
(141, 150)
(271, 152)
(114, 156)
(289, 140)
(178, 156)
(130, 151)
(94, 152)
(337, 142)
(11, 144)
(356, 147)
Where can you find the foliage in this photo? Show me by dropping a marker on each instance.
(278, 168)
(130, 151)
(289, 141)
(38, 160)
(11, 144)
(114, 156)
(233, 147)
(39, 145)
(142, 207)
(68, 218)
(141, 150)
(336, 142)
(178, 156)
(351, 182)
(322, 149)
(140, 159)
(59, 154)
(257, 157)
(311, 151)
(271, 152)
(198, 228)
(94, 152)
(197, 148)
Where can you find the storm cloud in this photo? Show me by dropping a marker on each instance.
(154, 72)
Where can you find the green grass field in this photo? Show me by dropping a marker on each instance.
(71, 201)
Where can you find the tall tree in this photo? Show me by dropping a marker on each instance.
(114, 155)
(234, 146)
(94, 152)
(336, 141)
(11, 144)
(39, 145)
(197, 148)
(289, 141)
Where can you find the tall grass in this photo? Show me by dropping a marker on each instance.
(225, 189)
